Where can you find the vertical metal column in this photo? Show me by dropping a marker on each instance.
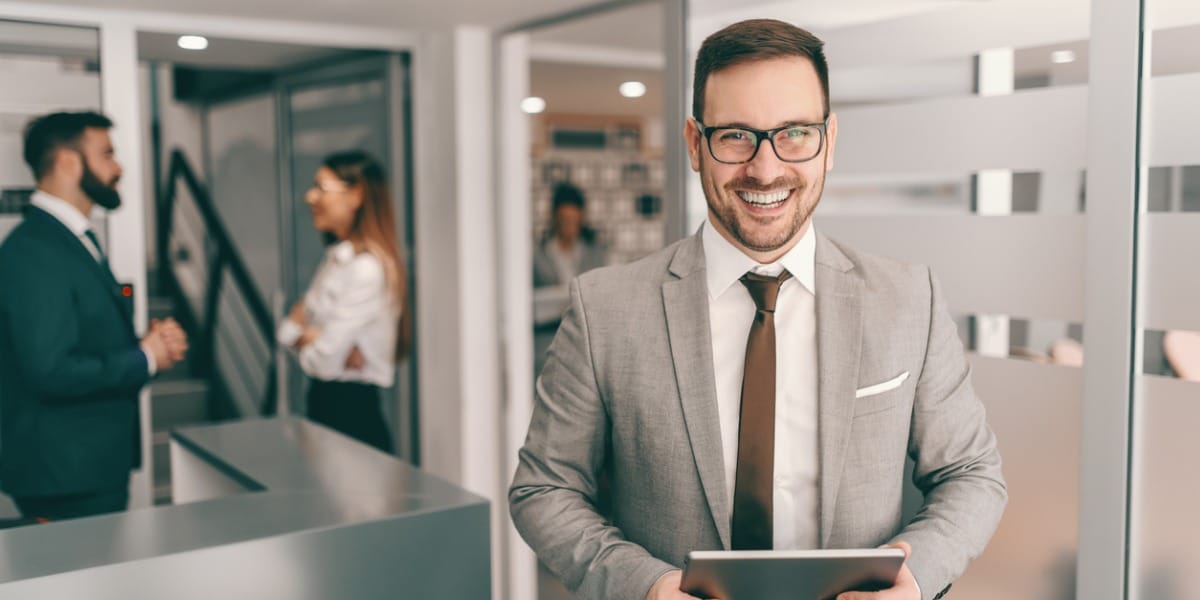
(1110, 340)
(675, 91)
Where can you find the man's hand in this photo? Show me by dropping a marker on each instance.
(905, 587)
(356, 361)
(667, 588)
(155, 344)
(175, 338)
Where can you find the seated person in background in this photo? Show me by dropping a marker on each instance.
(569, 247)
(347, 329)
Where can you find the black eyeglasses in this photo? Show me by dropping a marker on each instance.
(794, 143)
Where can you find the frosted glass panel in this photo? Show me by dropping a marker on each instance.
(1032, 555)
(1165, 486)
(245, 184)
(1166, 492)
(1021, 265)
(1172, 243)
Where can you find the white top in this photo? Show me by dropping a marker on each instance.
(78, 224)
(731, 313)
(349, 302)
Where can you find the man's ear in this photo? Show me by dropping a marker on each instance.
(67, 162)
(692, 137)
(831, 133)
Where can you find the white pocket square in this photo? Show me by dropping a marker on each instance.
(880, 388)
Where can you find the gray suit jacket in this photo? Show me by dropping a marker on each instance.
(628, 391)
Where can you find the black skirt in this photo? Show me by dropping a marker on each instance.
(351, 408)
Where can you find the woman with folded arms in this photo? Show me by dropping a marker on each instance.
(347, 329)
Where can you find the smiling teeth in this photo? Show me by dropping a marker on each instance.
(765, 199)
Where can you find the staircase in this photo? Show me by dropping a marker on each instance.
(230, 371)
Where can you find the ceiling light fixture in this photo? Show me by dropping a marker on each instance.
(193, 42)
(533, 105)
(1062, 57)
(633, 89)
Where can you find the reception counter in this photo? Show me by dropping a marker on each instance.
(272, 508)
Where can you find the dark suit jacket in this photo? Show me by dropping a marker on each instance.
(70, 366)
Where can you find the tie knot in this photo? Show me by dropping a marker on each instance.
(764, 289)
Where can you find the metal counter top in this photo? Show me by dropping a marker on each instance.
(303, 479)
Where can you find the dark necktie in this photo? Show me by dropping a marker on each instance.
(753, 488)
(99, 249)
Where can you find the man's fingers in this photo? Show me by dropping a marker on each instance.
(858, 596)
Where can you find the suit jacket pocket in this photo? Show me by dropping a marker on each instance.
(879, 396)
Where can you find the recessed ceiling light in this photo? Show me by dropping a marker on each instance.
(633, 89)
(533, 105)
(1062, 57)
(193, 42)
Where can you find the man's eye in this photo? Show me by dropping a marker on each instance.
(734, 136)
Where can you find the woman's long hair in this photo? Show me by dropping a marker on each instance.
(375, 227)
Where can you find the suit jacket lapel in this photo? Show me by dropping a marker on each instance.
(76, 248)
(685, 299)
(839, 345)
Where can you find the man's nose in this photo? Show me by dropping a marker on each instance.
(766, 165)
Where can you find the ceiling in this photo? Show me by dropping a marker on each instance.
(592, 90)
(411, 15)
(227, 53)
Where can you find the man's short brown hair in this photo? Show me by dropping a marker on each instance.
(46, 134)
(754, 40)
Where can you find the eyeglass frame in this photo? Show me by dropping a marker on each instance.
(765, 134)
(324, 190)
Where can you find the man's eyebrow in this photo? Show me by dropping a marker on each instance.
(741, 125)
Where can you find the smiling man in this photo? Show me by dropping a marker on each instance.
(757, 386)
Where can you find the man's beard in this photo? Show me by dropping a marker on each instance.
(807, 196)
(104, 195)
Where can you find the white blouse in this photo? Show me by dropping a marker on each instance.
(349, 302)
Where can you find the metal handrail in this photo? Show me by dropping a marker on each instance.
(226, 257)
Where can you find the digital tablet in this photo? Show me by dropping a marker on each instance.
(789, 575)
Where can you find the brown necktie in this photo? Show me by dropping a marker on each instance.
(752, 493)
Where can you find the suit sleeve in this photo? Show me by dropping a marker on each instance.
(957, 462)
(45, 326)
(554, 491)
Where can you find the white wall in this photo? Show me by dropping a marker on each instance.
(181, 126)
(46, 86)
(244, 183)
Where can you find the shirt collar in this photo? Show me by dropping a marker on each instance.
(342, 252)
(726, 263)
(62, 210)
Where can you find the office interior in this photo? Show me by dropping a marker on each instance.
(1039, 155)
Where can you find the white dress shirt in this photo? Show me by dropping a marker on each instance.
(731, 312)
(78, 224)
(349, 302)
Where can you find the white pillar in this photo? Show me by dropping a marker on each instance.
(993, 191)
(119, 93)
(456, 263)
(516, 286)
